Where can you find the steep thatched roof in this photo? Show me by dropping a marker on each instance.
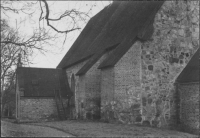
(120, 23)
(42, 81)
(191, 72)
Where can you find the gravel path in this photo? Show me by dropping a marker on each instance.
(9, 129)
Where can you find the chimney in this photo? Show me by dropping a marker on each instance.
(19, 64)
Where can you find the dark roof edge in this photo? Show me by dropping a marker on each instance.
(91, 62)
(105, 64)
(111, 47)
(79, 61)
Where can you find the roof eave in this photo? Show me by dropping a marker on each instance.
(90, 63)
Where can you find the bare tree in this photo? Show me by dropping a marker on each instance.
(12, 45)
(8, 99)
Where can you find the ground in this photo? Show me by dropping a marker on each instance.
(99, 129)
(82, 128)
(9, 129)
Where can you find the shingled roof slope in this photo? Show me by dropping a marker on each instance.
(191, 72)
(79, 50)
(41, 82)
(131, 21)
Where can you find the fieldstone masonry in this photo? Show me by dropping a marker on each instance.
(140, 87)
(175, 40)
(144, 84)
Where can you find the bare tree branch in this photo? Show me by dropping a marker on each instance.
(71, 14)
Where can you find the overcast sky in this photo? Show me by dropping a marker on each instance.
(52, 59)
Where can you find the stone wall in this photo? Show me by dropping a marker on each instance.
(79, 88)
(73, 70)
(140, 88)
(87, 91)
(151, 90)
(189, 107)
(93, 90)
(121, 88)
(81, 97)
(127, 73)
(37, 108)
(107, 93)
(175, 40)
